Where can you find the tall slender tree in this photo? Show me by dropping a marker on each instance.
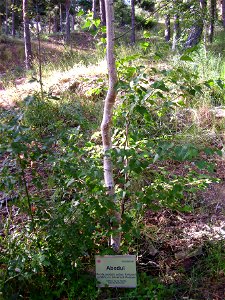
(60, 17)
(167, 28)
(223, 11)
(94, 8)
(132, 2)
(212, 19)
(67, 36)
(197, 29)
(13, 17)
(107, 121)
(73, 5)
(26, 33)
(102, 12)
(176, 31)
(56, 19)
(6, 17)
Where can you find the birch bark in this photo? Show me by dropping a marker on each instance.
(107, 121)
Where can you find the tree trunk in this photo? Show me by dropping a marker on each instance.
(176, 32)
(6, 17)
(102, 12)
(107, 120)
(49, 23)
(13, 18)
(223, 12)
(167, 28)
(94, 9)
(197, 29)
(26, 32)
(55, 22)
(212, 20)
(67, 37)
(73, 19)
(132, 22)
(60, 17)
(72, 22)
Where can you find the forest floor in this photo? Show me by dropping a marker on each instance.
(172, 242)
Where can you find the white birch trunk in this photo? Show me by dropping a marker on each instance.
(107, 120)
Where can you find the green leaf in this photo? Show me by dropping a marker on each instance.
(160, 85)
(220, 83)
(209, 83)
(71, 181)
(80, 13)
(87, 24)
(186, 58)
(33, 80)
(146, 34)
(141, 109)
(158, 56)
(209, 151)
(144, 45)
(97, 22)
(201, 164)
(103, 29)
(192, 49)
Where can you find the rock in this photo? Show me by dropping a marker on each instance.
(218, 112)
(189, 253)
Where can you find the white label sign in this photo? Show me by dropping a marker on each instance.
(116, 271)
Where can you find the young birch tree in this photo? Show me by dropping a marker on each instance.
(107, 121)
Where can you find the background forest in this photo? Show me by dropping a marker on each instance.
(167, 153)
